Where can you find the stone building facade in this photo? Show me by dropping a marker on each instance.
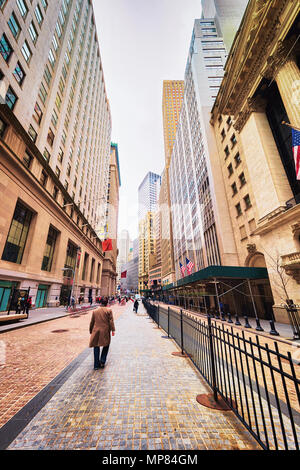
(259, 92)
(53, 93)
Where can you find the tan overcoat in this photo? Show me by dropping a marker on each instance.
(102, 323)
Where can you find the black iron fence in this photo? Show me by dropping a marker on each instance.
(258, 382)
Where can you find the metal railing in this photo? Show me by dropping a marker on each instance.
(258, 382)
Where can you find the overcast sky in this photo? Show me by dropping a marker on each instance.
(142, 43)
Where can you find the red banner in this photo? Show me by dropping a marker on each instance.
(107, 245)
(124, 274)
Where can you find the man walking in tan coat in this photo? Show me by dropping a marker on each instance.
(102, 323)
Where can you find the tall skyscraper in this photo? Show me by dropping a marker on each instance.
(56, 123)
(109, 271)
(196, 187)
(173, 92)
(227, 15)
(148, 194)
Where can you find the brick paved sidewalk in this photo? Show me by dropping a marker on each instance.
(145, 398)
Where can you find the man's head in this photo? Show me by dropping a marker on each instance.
(104, 301)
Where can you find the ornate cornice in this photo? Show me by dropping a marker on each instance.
(253, 105)
(285, 51)
(255, 41)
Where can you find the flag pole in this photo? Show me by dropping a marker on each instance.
(293, 127)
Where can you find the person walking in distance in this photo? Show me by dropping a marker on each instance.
(136, 306)
(101, 325)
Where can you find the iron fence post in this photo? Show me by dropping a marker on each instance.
(212, 358)
(294, 318)
(168, 322)
(181, 330)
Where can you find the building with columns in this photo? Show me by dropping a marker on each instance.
(55, 133)
(109, 270)
(259, 92)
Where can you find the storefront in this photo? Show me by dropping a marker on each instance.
(41, 296)
(6, 288)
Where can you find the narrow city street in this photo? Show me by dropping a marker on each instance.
(145, 398)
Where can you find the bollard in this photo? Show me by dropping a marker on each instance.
(237, 321)
(273, 329)
(247, 324)
(223, 316)
(229, 318)
(258, 325)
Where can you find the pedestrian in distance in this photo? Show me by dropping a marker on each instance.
(101, 327)
(136, 306)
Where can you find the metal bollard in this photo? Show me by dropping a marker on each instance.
(229, 318)
(237, 321)
(258, 325)
(273, 329)
(247, 324)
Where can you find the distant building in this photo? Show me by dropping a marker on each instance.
(148, 204)
(109, 270)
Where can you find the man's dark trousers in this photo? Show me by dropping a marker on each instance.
(97, 355)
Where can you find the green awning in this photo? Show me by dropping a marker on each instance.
(225, 272)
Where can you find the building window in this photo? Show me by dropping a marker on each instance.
(37, 115)
(27, 159)
(57, 172)
(2, 4)
(46, 155)
(238, 209)
(45, 4)
(11, 98)
(234, 189)
(237, 159)
(17, 235)
(60, 155)
(50, 137)
(43, 93)
(226, 150)
(38, 15)
(5, 48)
(49, 250)
(247, 201)
(242, 179)
(229, 123)
(47, 75)
(26, 51)
(33, 32)
(43, 178)
(19, 73)
(14, 25)
(230, 169)
(54, 118)
(233, 141)
(32, 133)
(51, 58)
(68, 169)
(85, 263)
(223, 134)
(3, 127)
(22, 7)
(55, 192)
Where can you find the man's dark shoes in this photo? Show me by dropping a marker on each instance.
(102, 365)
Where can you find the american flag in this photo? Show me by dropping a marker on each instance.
(296, 150)
(182, 269)
(189, 265)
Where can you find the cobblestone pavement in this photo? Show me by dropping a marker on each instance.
(30, 358)
(145, 398)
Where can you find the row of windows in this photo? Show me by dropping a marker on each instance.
(16, 242)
